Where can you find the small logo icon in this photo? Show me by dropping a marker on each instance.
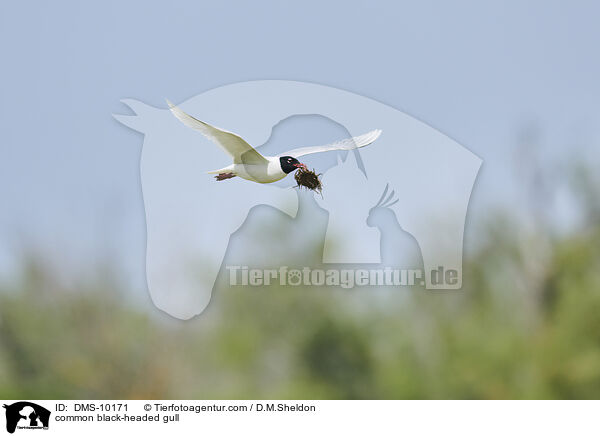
(26, 415)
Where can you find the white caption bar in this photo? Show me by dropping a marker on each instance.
(300, 417)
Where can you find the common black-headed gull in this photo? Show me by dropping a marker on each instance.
(249, 164)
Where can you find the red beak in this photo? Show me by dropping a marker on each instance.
(300, 165)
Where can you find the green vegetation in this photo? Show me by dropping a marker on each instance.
(526, 325)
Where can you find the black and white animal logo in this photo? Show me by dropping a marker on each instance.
(26, 415)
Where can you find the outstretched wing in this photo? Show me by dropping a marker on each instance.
(240, 151)
(344, 144)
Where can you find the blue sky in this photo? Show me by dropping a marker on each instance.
(476, 71)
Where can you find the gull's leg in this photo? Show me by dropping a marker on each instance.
(224, 176)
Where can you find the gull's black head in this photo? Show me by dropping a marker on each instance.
(289, 164)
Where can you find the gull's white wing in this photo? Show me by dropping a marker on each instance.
(239, 150)
(344, 144)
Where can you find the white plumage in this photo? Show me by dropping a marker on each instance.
(344, 144)
(249, 164)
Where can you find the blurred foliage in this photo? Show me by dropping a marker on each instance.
(525, 325)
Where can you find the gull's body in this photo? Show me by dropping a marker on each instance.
(249, 164)
(260, 173)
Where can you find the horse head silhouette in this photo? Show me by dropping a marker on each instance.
(189, 219)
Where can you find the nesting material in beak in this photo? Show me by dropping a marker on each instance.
(308, 179)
